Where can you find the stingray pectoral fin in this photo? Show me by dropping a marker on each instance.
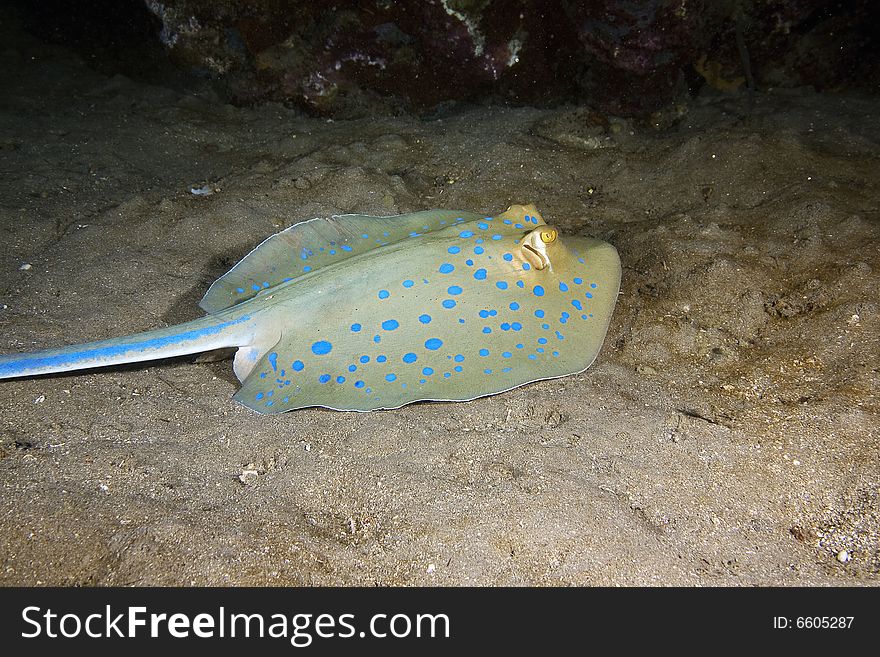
(591, 304)
(269, 380)
(308, 246)
(248, 356)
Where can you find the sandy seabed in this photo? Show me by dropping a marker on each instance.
(727, 434)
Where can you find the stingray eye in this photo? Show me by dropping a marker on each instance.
(548, 236)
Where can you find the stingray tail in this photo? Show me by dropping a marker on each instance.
(204, 334)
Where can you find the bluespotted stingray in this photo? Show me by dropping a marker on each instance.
(363, 313)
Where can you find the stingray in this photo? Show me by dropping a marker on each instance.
(361, 313)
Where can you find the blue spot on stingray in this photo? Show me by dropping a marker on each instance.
(539, 291)
(458, 358)
(487, 330)
(577, 304)
(239, 290)
(508, 257)
(593, 285)
(539, 313)
(516, 326)
(526, 266)
(484, 352)
(425, 319)
(466, 233)
(501, 285)
(352, 368)
(332, 251)
(410, 358)
(520, 284)
(560, 336)
(514, 306)
(542, 340)
(588, 295)
(307, 269)
(433, 344)
(480, 274)
(381, 359)
(563, 287)
(458, 368)
(324, 378)
(273, 361)
(365, 236)
(390, 377)
(446, 375)
(390, 324)
(578, 281)
(321, 347)
(489, 371)
(427, 371)
(484, 314)
(479, 240)
(364, 359)
(469, 262)
(483, 225)
(358, 384)
(532, 357)
(448, 303)
(479, 250)
(454, 289)
(259, 395)
(297, 366)
(408, 283)
(505, 326)
(384, 294)
(355, 328)
(454, 249)
(507, 222)
(255, 287)
(492, 313)
(377, 339)
(446, 268)
(340, 379)
(496, 237)
(346, 247)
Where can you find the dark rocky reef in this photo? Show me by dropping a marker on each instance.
(354, 57)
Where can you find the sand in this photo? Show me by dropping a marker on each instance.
(727, 434)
